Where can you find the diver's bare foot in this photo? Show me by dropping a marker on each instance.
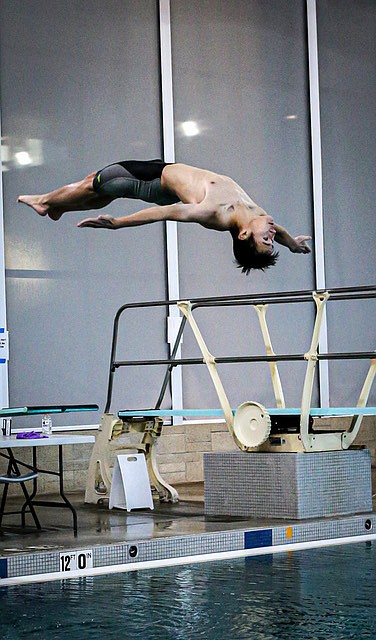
(43, 209)
(35, 203)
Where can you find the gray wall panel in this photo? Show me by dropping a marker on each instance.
(346, 38)
(82, 80)
(240, 72)
(80, 88)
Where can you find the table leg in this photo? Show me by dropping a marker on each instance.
(52, 503)
(61, 488)
(13, 466)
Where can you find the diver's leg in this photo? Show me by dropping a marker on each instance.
(78, 196)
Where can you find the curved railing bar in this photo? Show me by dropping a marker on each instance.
(256, 298)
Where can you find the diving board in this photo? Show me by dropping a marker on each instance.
(255, 427)
(211, 413)
(46, 409)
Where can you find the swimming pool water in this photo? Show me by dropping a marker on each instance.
(327, 593)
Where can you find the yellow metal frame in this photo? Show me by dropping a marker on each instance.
(108, 444)
(304, 441)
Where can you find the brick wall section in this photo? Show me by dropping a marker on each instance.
(180, 453)
(180, 449)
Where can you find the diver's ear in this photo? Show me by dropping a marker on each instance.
(244, 234)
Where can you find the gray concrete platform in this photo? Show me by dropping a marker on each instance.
(293, 486)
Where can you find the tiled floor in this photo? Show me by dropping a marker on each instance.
(109, 539)
(97, 525)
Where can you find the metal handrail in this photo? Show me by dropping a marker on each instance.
(285, 297)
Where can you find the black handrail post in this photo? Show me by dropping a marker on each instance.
(111, 372)
(170, 367)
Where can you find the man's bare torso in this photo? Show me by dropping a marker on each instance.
(217, 194)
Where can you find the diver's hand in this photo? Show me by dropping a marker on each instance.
(301, 245)
(101, 222)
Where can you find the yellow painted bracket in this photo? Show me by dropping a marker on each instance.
(349, 437)
(311, 357)
(276, 380)
(185, 307)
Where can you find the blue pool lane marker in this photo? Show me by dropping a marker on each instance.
(258, 538)
(3, 568)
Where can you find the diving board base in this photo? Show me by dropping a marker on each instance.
(287, 485)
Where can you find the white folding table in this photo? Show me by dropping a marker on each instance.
(9, 445)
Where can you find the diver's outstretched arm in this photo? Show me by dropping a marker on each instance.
(296, 245)
(177, 212)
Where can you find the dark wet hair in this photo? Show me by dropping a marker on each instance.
(247, 257)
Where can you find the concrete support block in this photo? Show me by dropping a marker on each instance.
(288, 485)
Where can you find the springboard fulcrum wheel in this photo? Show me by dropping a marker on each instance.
(252, 424)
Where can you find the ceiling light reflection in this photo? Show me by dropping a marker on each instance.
(23, 157)
(17, 152)
(190, 128)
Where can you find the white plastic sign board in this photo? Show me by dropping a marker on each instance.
(76, 560)
(130, 486)
(4, 345)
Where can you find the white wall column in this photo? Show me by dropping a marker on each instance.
(174, 318)
(4, 392)
(314, 91)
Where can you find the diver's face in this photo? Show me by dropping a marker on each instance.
(263, 232)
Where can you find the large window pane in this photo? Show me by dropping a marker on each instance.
(240, 74)
(79, 89)
(347, 35)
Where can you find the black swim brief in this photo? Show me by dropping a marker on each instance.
(137, 179)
